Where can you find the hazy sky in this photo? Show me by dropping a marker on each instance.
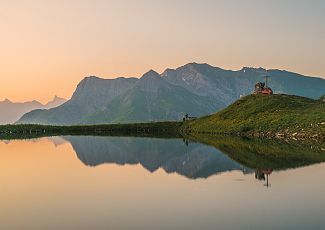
(47, 47)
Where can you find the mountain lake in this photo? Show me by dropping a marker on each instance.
(94, 182)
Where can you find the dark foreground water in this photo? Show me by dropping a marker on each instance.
(142, 183)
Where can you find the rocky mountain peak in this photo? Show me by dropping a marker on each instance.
(150, 81)
(151, 74)
(168, 72)
(252, 69)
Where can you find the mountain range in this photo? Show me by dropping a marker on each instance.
(10, 111)
(195, 89)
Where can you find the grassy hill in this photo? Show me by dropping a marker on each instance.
(282, 116)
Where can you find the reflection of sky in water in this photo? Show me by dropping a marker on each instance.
(45, 186)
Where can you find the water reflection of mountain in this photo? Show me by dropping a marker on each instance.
(193, 161)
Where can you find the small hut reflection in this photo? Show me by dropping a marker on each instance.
(263, 175)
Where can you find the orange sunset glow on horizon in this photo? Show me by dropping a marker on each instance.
(47, 47)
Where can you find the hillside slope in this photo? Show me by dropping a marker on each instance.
(282, 116)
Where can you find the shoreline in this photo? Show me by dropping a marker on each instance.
(161, 129)
(170, 129)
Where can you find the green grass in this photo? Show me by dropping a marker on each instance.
(266, 115)
(157, 129)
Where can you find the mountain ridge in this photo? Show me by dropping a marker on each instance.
(196, 89)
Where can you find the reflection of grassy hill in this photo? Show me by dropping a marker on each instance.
(266, 115)
(257, 153)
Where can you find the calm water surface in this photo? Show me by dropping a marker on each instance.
(142, 183)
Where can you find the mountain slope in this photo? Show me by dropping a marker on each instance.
(91, 95)
(227, 86)
(266, 115)
(205, 80)
(152, 99)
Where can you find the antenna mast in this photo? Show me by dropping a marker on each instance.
(266, 79)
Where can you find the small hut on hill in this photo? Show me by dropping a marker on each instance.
(262, 87)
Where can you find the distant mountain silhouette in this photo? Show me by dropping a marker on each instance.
(196, 89)
(57, 101)
(172, 155)
(10, 111)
